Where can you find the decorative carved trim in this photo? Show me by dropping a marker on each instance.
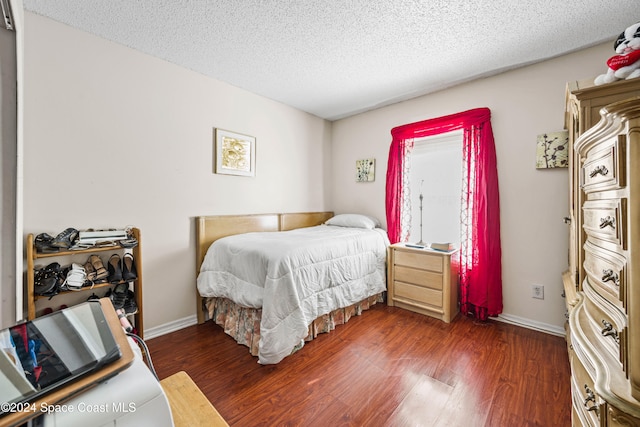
(620, 418)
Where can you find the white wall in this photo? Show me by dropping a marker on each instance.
(524, 103)
(114, 137)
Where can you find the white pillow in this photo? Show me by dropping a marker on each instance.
(353, 220)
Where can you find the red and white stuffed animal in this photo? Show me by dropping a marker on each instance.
(625, 65)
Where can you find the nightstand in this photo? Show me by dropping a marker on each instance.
(423, 280)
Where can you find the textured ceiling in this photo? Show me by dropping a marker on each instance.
(335, 58)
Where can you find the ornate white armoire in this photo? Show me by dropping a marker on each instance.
(602, 284)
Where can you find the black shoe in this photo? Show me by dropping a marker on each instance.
(129, 271)
(48, 280)
(43, 243)
(115, 269)
(119, 295)
(65, 238)
(128, 243)
(130, 306)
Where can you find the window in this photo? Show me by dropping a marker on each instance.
(436, 173)
(480, 250)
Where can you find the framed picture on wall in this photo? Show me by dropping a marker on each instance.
(365, 170)
(235, 153)
(551, 150)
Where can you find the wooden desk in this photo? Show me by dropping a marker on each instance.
(86, 382)
(189, 407)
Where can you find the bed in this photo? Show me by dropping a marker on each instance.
(274, 281)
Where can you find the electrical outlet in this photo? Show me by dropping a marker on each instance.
(537, 291)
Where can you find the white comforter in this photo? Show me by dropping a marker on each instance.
(295, 276)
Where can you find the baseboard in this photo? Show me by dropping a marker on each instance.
(176, 325)
(166, 328)
(531, 324)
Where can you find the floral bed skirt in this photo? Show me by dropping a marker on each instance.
(243, 323)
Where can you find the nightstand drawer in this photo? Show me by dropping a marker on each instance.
(418, 293)
(421, 260)
(421, 278)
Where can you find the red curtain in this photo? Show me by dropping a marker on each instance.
(480, 251)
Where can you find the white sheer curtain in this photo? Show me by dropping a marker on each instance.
(405, 216)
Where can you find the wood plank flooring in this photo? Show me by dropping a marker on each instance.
(388, 367)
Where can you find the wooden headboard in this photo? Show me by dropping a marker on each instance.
(211, 228)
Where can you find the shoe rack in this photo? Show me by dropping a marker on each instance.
(80, 257)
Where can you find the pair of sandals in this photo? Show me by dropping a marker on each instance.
(76, 278)
(122, 269)
(96, 272)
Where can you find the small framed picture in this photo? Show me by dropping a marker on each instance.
(365, 170)
(235, 153)
(551, 150)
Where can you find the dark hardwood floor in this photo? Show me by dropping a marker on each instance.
(388, 367)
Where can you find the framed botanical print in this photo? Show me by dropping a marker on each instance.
(235, 153)
(552, 150)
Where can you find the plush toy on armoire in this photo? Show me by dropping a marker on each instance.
(626, 64)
